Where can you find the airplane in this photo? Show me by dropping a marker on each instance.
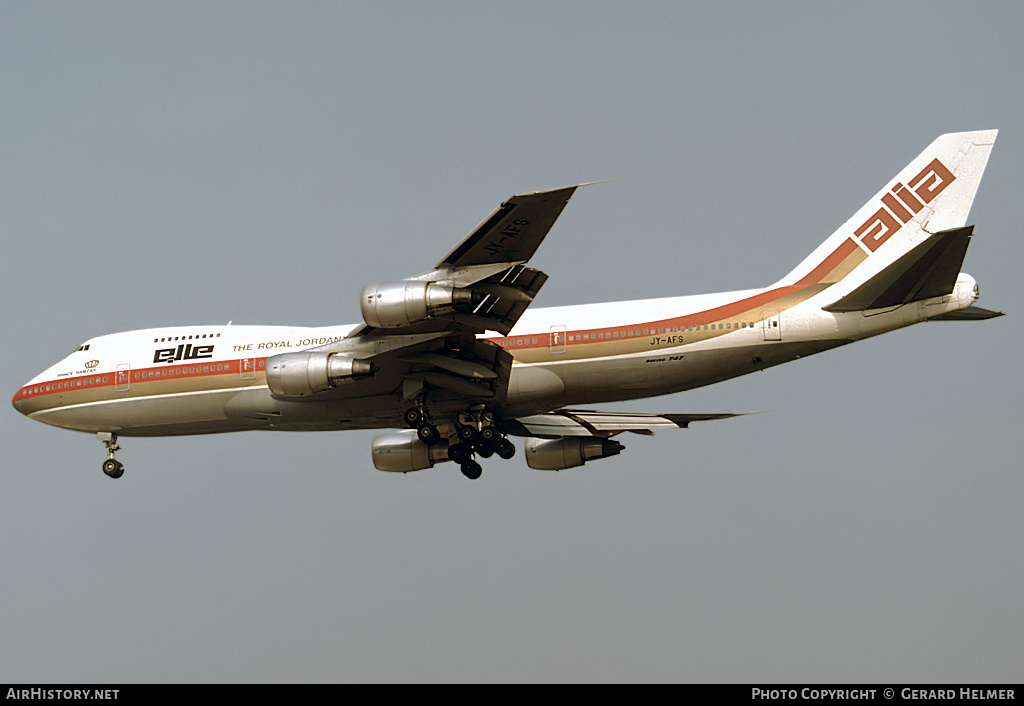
(454, 363)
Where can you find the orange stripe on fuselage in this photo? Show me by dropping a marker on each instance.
(718, 314)
(832, 269)
(139, 376)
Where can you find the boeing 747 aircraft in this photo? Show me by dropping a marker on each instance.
(455, 361)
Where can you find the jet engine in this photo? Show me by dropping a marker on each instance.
(569, 452)
(402, 452)
(409, 302)
(292, 374)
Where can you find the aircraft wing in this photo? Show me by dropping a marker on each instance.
(487, 268)
(421, 333)
(512, 233)
(577, 422)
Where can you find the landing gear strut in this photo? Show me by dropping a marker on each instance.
(112, 467)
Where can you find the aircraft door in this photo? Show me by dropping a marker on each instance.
(771, 324)
(122, 377)
(247, 368)
(557, 339)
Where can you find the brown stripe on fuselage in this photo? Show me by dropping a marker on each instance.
(840, 263)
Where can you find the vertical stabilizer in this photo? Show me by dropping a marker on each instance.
(931, 194)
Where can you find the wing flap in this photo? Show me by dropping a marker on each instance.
(569, 422)
(505, 296)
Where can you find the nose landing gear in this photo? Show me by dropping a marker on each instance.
(112, 467)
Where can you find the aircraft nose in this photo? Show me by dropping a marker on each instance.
(18, 400)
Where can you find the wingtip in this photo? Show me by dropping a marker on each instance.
(570, 188)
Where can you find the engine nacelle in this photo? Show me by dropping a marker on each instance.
(402, 452)
(569, 452)
(293, 374)
(409, 302)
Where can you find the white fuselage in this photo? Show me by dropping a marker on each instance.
(205, 379)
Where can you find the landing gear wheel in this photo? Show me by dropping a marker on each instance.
(113, 468)
(412, 417)
(458, 453)
(428, 434)
(485, 450)
(468, 435)
(471, 469)
(505, 449)
(489, 435)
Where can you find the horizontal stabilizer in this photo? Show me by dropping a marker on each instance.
(928, 270)
(576, 422)
(971, 313)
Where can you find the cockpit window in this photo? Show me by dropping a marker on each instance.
(83, 347)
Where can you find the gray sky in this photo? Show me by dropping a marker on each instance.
(204, 162)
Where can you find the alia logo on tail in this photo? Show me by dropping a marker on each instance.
(922, 190)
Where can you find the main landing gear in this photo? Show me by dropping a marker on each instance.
(475, 435)
(417, 418)
(112, 467)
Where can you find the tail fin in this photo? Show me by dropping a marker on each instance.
(931, 194)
